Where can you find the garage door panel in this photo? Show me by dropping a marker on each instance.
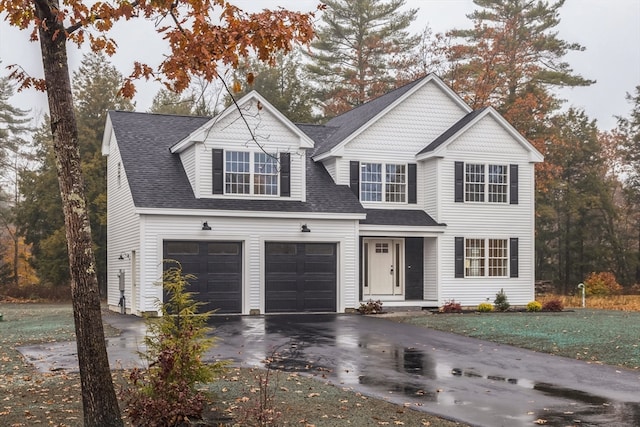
(217, 267)
(317, 285)
(221, 267)
(319, 267)
(300, 277)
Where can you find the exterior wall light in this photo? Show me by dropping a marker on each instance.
(206, 226)
(305, 229)
(124, 255)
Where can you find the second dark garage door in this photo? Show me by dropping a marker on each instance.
(300, 277)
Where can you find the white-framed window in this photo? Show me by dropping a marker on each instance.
(388, 186)
(395, 183)
(474, 258)
(498, 257)
(371, 182)
(498, 183)
(486, 183)
(250, 173)
(265, 174)
(486, 257)
(473, 183)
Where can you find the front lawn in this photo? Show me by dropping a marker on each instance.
(599, 336)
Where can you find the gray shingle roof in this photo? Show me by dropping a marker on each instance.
(158, 180)
(451, 131)
(416, 218)
(342, 126)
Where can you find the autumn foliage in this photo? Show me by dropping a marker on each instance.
(602, 283)
(202, 35)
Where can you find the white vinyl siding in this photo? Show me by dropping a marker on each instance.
(397, 137)
(253, 232)
(232, 134)
(486, 143)
(123, 239)
(188, 159)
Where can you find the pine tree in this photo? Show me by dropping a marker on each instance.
(359, 50)
(14, 152)
(512, 59)
(168, 102)
(575, 216)
(283, 84)
(95, 86)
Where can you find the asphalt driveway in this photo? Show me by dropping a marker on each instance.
(460, 378)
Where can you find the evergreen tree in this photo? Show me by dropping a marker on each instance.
(39, 215)
(359, 50)
(284, 85)
(14, 151)
(512, 59)
(511, 53)
(168, 102)
(95, 86)
(14, 127)
(575, 216)
(629, 129)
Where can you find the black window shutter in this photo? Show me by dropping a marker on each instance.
(354, 177)
(459, 257)
(513, 184)
(412, 197)
(459, 181)
(218, 179)
(513, 257)
(285, 174)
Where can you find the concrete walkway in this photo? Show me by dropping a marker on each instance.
(460, 378)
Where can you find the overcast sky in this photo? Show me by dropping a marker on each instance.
(608, 29)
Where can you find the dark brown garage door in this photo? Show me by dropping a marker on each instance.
(217, 267)
(300, 277)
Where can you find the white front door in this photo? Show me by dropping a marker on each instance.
(383, 267)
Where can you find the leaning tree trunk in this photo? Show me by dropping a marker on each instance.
(98, 394)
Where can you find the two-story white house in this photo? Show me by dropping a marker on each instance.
(413, 199)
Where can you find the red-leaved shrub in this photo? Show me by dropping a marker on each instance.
(553, 305)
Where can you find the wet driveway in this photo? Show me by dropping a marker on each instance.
(465, 379)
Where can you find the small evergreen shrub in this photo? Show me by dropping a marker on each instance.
(166, 394)
(501, 302)
(370, 307)
(553, 305)
(603, 283)
(534, 306)
(451, 307)
(485, 307)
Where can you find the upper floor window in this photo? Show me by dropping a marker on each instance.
(486, 183)
(383, 182)
(250, 173)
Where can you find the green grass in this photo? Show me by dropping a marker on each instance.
(605, 336)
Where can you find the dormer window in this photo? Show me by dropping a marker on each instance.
(251, 173)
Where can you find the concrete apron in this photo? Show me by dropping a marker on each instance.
(459, 378)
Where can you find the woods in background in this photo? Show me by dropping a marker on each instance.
(511, 57)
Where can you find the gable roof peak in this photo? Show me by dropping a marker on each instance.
(350, 123)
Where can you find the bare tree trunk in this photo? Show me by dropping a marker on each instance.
(98, 394)
(14, 236)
